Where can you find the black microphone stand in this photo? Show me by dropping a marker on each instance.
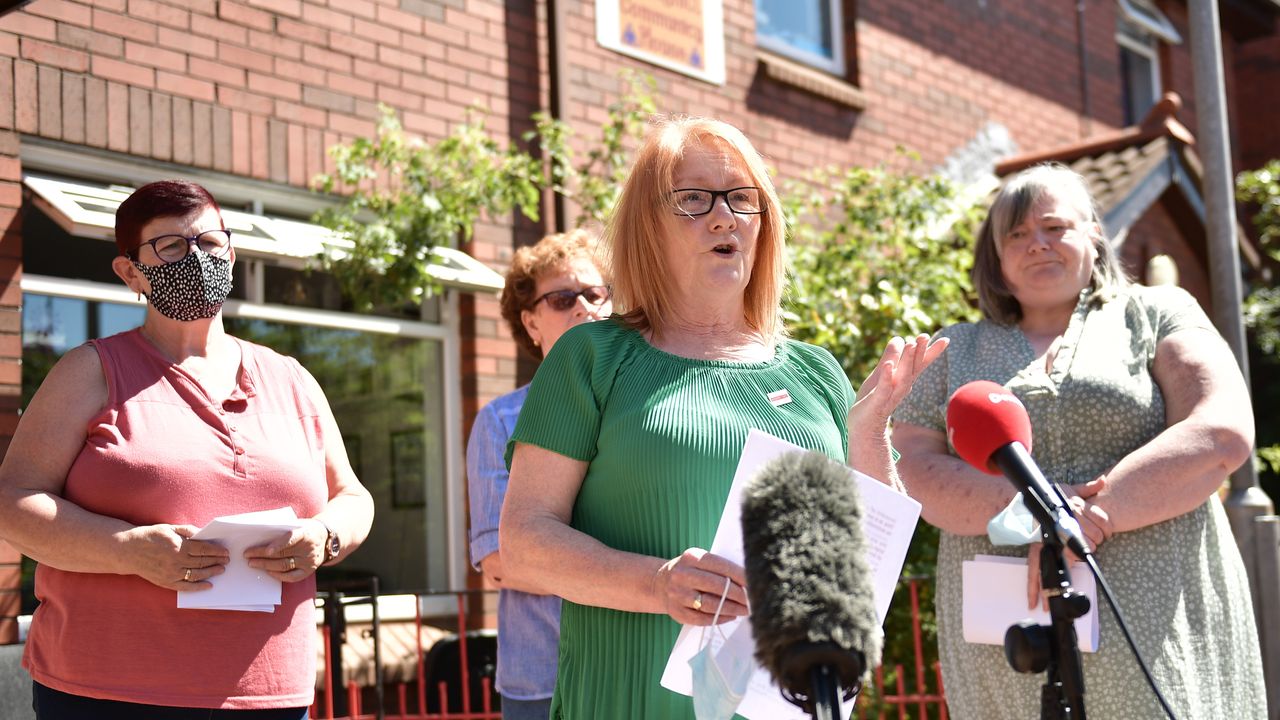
(1053, 649)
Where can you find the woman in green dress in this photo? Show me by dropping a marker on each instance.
(625, 449)
(1139, 412)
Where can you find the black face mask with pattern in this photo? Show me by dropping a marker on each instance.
(193, 288)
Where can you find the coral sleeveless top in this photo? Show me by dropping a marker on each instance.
(163, 451)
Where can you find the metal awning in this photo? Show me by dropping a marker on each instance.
(88, 210)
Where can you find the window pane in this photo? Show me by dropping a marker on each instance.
(113, 318)
(1138, 73)
(56, 323)
(385, 392)
(805, 25)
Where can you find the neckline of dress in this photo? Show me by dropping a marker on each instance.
(243, 386)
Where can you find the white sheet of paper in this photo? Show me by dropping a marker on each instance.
(889, 521)
(995, 597)
(241, 587)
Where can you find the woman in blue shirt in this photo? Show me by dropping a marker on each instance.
(550, 287)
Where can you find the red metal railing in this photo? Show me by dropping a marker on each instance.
(409, 700)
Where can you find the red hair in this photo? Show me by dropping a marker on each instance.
(165, 198)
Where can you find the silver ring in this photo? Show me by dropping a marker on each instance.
(293, 563)
(697, 602)
(186, 575)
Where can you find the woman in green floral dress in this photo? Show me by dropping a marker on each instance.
(1140, 413)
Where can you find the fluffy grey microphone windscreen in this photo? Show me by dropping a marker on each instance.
(808, 579)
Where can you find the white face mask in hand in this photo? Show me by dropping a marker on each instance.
(1015, 525)
(720, 679)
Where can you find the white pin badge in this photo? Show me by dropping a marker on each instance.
(778, 398)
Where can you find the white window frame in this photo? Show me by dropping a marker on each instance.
(1147, 16)
(835, 66)
(1149, 51)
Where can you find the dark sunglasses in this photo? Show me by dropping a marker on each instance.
(561, 300)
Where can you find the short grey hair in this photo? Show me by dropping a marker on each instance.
(1009, 210)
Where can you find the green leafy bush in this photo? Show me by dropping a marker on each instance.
(1260, 190)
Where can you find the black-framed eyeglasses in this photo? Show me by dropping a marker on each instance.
(561, 300)
(172, 248)
(698, 201)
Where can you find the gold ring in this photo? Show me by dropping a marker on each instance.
(186, 575)
(697, 602)
(293, 563)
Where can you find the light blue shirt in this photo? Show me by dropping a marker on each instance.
(528, 625)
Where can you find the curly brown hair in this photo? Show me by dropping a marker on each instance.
(534, 262)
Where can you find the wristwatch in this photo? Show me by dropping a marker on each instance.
(332, 545)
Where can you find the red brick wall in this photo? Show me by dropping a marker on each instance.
(1160, 233)
(260, 88)
(1257, 69)
(1251, 75)
(10, 339)
(929, 76)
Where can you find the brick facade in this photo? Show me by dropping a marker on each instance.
(10, 340)
(260, 88)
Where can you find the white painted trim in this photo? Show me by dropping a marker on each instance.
(834, 65)
(1147, 16)
(454, 464)
(1147, 50)
(86, 290)
(90, 164)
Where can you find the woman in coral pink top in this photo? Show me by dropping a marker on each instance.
(132, 444)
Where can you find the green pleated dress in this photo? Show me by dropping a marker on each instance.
(662, 434)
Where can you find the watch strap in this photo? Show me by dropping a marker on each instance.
(332, 544)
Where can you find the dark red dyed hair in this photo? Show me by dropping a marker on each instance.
(165, 198)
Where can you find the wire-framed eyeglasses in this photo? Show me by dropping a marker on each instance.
(172, 248)
(699, 201)
(561, 300)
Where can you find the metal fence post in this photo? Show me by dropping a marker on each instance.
(1267, 544)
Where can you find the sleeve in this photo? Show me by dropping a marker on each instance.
(1171, 309)
(926, 404)
(486, 482)
(838, 391)
(566, 398)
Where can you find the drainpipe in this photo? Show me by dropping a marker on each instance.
(1085, 111)
(557, 71)
(1249, 510)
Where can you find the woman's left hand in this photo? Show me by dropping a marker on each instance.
(899, 366)
(294, 556)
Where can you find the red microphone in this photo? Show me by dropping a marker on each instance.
(989, 428)
(982, 417)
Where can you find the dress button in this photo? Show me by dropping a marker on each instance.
(239, 451)
(231, 428)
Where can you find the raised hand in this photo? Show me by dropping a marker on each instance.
(900, 364)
